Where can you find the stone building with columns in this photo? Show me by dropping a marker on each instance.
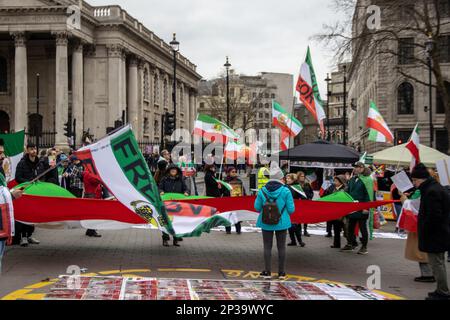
(96, 65)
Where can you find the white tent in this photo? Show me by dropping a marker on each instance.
(399, 155)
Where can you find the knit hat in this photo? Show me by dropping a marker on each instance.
(275, 171)
(420, 172)
(63, 157)
(341, 178)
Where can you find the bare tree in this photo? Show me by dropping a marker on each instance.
(422, 19)
(244, 103)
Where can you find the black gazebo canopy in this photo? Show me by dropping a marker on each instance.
(321, 151)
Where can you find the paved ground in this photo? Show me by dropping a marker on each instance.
(213, 256)
(140, 252)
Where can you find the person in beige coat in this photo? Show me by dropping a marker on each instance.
(413, 253)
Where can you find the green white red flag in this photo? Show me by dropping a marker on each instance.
(309, 91)
(289, 125)
(234, 150)
(379, 130)
(117, 161)
(413, 146)
(213, 130)
(14, 147)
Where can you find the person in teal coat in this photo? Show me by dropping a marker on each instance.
(275, 190)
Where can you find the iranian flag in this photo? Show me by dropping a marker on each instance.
(14, 147)
(413, 147)
(309, 91)
(213, 130)
(290, 126)
(379, 131)
(117, 161)
(234, 150)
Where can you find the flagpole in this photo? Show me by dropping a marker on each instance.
(290, 130)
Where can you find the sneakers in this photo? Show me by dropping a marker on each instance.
(328, 235)
(24, 242)
(165, 243)
(282, 276)
(175, 243)
(306, 234)
(363, 251)
(33, 240)
(425, 279)
(266, 275)
(302, 244)
(347, 248)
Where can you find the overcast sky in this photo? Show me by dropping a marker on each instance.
(257, 35)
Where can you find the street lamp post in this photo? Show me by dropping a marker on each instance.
(227, 65)
(38, 127)
(429, 45)
(345, 106)
(328, 80)
(175, 48)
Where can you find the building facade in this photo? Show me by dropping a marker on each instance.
(374, 76)
(97, 65)
(250, 99)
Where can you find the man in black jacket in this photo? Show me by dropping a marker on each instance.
(26, 171)
(45, 164)
(309, 192)
(433, 227)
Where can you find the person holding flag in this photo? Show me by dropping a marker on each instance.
(295, 231)
(237, 190)
(6, 198)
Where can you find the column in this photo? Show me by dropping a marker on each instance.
(114, 84)
(21, 82)
(62, 89)
(140, 107)
(78, 90)
(133, 95)
(192, 110)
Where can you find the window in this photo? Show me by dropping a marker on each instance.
(254, 94)
(3, 75)
(267, 116)
(260, 105)
(266, 105)
(442, 140)
(146, 126)
(165, 94)
(202, 105)
(405, 98)
(440, 107)
(273, 96)
(261, 115)
(267, 95)
(156, 128)
(156, 90)
(403, 136)
(405, 11)
(146, 87)
(444, 48)
(406, 51)
(444, 8)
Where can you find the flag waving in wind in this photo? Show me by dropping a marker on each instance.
(413, 146)
(379, 131)
(214, 130)
(118, 162)
(14, 146)
(309, 91)
(290, 127)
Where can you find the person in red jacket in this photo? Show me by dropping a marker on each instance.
(92, 190)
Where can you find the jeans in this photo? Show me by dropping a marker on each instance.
(425, 270)
(296, 232)
(2, 251)
(281, 246)
(437, 263)
(351, 237)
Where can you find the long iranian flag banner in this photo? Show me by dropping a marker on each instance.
(379, 130)
(14, 147)
(309, 91)
(213, 130)
(118, 162)
(289, 125)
